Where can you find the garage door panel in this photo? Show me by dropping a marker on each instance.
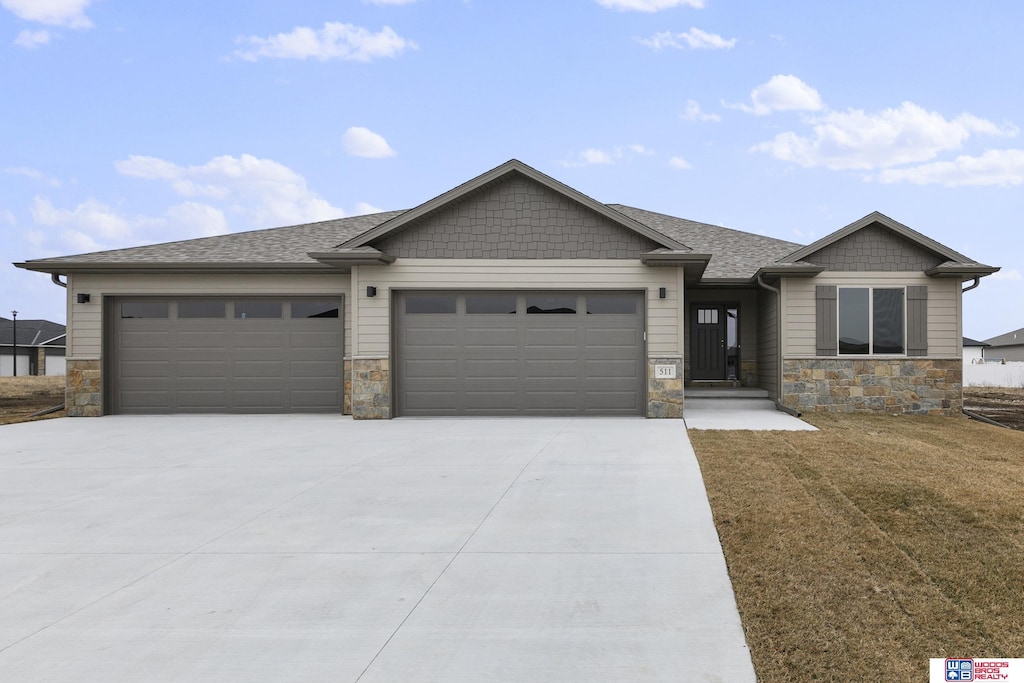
(145, 369)
(314, 368)
(540, 337)
(476, 337)
(551, 368)
(201, 369)
(148, 340)
(315, 340)
(490, 369)
(521, 364)
(258, 369)
(207, 399)
(315, 399)
(226, 364)
(429, 368)
(433, 401)
(598, 370)
(201, 340)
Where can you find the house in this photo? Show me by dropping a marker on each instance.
(1007, 347)
(515, 294)
(974, 351)
(39, 349)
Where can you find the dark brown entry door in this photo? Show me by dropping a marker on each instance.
(708, 337)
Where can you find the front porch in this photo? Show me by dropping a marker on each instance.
(731, 408)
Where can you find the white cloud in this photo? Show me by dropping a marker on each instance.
(595, 156)
(363, 208)
(693, 113)
(32, 39)
(265, 191)
(1004, 167)
(857, 140)
(640, 149)
(1012, 275)
(197, 219)
(6, 216)
(363, 142)
(69, 13)
(680, 163)
(648, 5)
(32, 173)
(694, 39)
(334, 41)
(781, 93)
(95, 216)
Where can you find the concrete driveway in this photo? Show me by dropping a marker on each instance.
(309, 548)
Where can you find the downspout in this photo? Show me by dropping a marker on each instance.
(55, 277)
(778, 332)
(977, 281)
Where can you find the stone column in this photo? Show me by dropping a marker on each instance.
(371, 388)
(83, 395)
(665, 392)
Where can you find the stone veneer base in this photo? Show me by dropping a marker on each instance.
(371, 389)
(346, 392)
(83, 394)
(665, 396)
(915, 386)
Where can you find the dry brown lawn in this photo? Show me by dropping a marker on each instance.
(22, 396)
(860, 551)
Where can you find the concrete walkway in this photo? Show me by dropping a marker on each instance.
(740, 408)
(307, 548)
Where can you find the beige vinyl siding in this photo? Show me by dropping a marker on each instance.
(373, 316)
(768, 349)
(798, 317)
(85, 321)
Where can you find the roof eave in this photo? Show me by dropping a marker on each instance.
(346, 259)
(808, 270)
(965, 271)
(66, 267)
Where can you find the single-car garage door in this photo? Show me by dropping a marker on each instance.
(526, 353)
(225, 355)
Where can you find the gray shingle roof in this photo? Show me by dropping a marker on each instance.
(289, 244)
(1015, 338)
(736, 254)
(30, 332)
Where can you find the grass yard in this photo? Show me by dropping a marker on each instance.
(22, 396)
(859, 551)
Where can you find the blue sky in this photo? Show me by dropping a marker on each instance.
(127, 123)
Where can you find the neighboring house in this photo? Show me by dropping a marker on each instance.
(40, 347)
(515, 294)
(1008, 347)
(974, 351)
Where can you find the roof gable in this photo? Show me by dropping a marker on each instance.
(876, 220)
(515, 217)
(556, 196)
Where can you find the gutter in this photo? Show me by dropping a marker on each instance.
(977, 281)
(981, 418)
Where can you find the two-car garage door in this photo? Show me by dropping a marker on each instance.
(217, 355)
(528, 353)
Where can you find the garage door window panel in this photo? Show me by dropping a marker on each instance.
(145, 309)
(557, 304)
(490, 304)
(314, 309)
(429, 304)
(201, 309)
(245, 310)
(611, 304)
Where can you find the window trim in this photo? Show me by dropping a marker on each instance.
(871, 321)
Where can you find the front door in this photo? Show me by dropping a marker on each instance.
(714, 342)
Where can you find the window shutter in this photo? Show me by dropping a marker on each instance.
(826, 307)
(917, 321)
